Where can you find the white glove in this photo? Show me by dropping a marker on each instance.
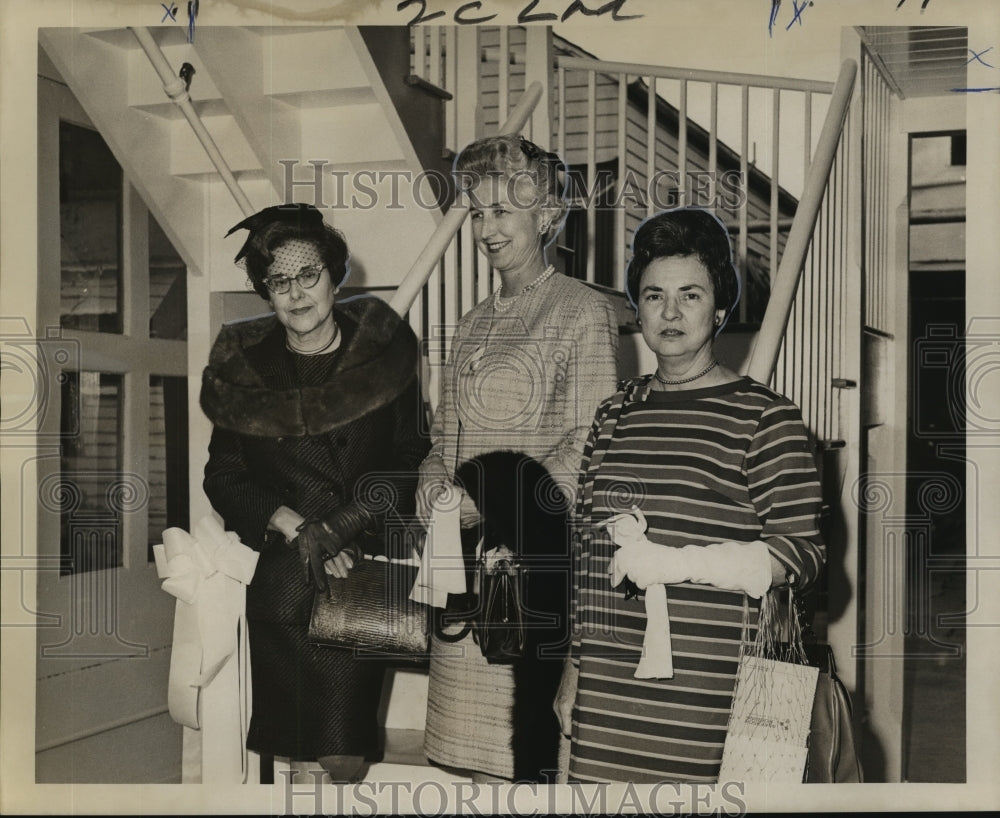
(728, 565)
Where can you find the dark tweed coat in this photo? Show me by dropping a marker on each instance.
(284, 437)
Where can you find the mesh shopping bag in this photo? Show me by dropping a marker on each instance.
(768, 735)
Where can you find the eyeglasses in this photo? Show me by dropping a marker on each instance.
(307, 277)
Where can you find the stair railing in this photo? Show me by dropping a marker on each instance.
(176, 89)
(764, 354)
(624, 125)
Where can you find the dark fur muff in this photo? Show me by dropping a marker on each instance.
(521, 507)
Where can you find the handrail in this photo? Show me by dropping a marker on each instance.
(694, 74)
(764, 354)
(175, 88)
(418, 274)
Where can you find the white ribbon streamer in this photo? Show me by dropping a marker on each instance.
(442, 568)
(657, 661)
(207, 571)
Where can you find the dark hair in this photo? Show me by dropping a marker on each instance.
(274, 226)
(516, 157)
(686, 231)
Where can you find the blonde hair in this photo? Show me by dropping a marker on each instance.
(514, 157)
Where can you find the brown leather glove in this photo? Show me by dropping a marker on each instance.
(323, 538)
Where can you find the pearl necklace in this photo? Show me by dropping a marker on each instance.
(548, 271)
(322, 349)
(705, 371)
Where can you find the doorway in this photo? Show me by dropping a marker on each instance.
(935, 668)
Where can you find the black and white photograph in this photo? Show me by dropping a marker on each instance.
(499, 407)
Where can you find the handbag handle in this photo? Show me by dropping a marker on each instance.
(779, 633)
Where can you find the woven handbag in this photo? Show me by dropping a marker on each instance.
(769, 738)
(371, 613)
(768, 733)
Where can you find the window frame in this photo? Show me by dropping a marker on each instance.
(132, 353)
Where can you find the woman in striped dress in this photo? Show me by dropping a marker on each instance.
(719, 468)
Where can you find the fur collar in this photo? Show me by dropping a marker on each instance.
(241, 392)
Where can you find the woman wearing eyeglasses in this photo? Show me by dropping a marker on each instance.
(315, 411)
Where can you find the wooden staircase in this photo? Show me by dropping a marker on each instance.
(279, 103)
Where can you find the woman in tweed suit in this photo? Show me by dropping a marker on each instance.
(526, 369)
(315, 411)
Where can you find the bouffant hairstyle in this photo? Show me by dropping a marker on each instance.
(515, 158)
(274, 226)
(686, 231)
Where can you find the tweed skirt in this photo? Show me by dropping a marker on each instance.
(469, 710)
(310, 700)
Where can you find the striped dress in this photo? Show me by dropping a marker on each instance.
(722, 463)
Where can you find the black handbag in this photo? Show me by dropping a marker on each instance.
(494, 615)
(833, 753)
(370, 612)
(499, 627)
(833, 750)
(515, 560)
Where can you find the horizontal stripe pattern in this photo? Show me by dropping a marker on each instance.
(728, 463)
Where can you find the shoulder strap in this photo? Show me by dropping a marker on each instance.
(607, 429)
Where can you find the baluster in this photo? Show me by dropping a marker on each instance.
(419, 51)
(651, 140)
(744, 199)
(682, 143)
(434, 57)
(775, 159)
(503, 74)
(617, 276)
(713, 150)
(591, 170)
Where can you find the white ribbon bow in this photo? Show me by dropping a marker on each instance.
(207, 571)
